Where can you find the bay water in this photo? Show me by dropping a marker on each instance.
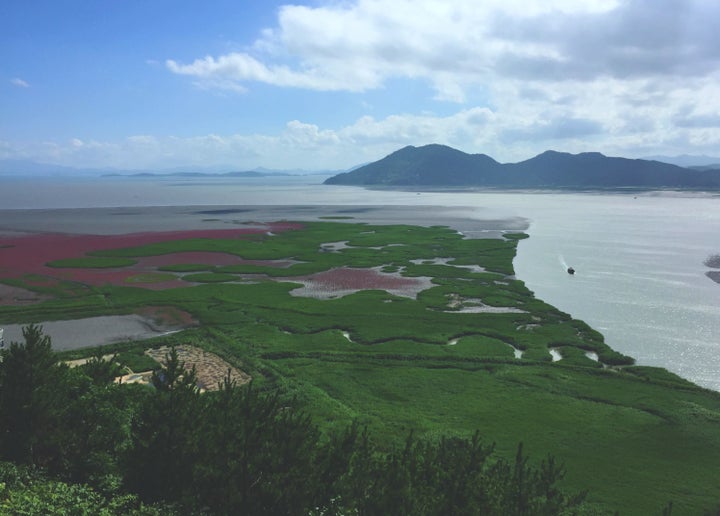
(639, 257)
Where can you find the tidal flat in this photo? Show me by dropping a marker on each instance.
(635, 437)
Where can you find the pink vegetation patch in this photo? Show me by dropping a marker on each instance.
(345, 280)
(22, 255)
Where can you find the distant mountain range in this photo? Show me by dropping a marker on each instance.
(248, 173)
(21, 167)
(688, 160)
(28, 168)
(439, 165)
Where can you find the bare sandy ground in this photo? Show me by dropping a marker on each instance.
(211, 370)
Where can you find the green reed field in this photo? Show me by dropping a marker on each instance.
(442, 363)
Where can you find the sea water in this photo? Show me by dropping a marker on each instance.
(639, 257)
(640, 277)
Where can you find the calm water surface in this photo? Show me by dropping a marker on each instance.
(639, 257)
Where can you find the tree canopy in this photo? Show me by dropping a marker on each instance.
(73, 437)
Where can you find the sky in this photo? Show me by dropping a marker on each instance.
(328, 85)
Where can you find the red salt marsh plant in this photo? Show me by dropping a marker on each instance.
(346, 280)
(25, 255)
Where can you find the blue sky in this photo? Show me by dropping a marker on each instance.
(137, 84)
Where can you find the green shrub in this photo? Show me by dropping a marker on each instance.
(137, 361)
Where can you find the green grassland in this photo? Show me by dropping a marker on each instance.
(635, 437)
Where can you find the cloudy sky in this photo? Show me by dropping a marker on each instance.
(332, 84)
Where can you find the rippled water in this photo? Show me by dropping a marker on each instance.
(639, 257)
(640, 276)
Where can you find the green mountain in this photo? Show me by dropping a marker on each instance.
(439, 165)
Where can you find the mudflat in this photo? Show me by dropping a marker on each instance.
(30, 239)
(116, 221)
(93, 331)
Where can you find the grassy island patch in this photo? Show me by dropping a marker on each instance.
(469, 351)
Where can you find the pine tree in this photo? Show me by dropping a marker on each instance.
(164, 433)
(29, 376)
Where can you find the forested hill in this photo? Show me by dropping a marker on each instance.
(439, 165)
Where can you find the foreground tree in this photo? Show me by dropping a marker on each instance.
(29, 375)
(60, 419)
(257, 454)
(158, 464)
(454, 476)
(234, 451)
(24, 490)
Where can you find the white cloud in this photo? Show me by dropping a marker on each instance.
(510, 133)
(623, 77)
(561, 72)
(458, 45)
(19, 82)
(356, 46)
(298, 145)
(231, 70)
(629, 118)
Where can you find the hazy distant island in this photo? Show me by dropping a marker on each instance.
(440, 165)
(29, 168)
(245, 173)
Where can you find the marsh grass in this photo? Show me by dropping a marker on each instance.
(636, 437)
(137, 361)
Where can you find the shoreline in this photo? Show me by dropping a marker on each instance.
(117, 221)
(121, 221)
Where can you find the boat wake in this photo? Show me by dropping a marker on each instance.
(563, 262)
(565, 266)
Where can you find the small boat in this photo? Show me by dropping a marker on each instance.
(571, 270)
